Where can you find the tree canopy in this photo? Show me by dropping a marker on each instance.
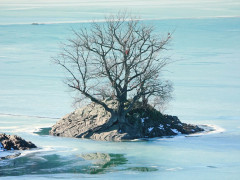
(120, 59)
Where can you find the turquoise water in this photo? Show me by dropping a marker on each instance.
(206, 77)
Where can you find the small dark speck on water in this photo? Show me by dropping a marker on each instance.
(211, 166)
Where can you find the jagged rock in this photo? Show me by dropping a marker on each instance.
(87, 122)
(13, 142)
(83, 120)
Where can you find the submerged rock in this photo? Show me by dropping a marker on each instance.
(13, 142)
(88, 122)
(10, 156)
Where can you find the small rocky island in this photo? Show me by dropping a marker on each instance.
(118, 66)
(91, 122)
(13, 142)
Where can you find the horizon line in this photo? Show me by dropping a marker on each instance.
(103, 20)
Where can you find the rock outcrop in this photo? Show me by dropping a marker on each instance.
(87, 122)
(13, 142)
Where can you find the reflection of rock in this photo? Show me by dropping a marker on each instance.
(103, 161)
(99, 158)
(142, 169)
(13, 142)
(41, 163)
(92, 121)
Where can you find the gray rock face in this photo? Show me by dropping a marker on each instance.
(87, 122)
(82, 121)
(13, 142)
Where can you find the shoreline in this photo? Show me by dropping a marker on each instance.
(208, 129)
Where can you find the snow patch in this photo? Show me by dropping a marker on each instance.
(176, 131)
(143, 119)
(2, 148)
(161, 126)
(150, 129)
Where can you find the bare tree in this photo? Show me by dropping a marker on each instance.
(120, 58)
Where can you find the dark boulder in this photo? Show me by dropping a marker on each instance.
(13, 142)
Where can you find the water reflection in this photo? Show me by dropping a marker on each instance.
(142, 169)
(35, 163)
(103, 162)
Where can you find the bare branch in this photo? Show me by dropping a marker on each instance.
(119, 59)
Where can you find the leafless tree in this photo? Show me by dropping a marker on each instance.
(120, 58)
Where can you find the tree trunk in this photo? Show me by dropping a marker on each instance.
(121, 113)
(121, 121)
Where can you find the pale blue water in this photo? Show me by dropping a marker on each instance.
(206, 79)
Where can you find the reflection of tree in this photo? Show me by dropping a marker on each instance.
(103, 162)
(36, 163)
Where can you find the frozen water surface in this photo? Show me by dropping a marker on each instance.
(206, 77)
